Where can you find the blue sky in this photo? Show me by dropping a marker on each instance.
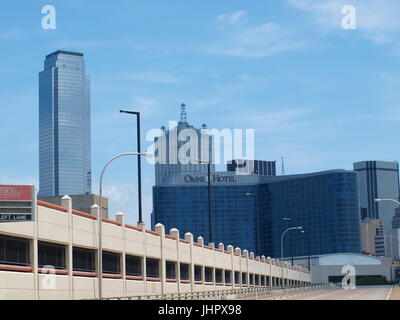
(321, 96)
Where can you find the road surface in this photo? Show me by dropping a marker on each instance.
(360, 293)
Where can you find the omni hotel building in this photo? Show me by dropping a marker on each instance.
(324, 203)
(248, 210)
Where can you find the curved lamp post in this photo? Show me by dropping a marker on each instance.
(393, 200)
(284, 232)
(100, 216)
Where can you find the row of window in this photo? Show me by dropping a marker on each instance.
(15, 251)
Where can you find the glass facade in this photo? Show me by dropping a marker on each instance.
(186, 208)
(64, 126)
(378, 179)
(325, 204)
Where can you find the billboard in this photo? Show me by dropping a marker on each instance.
(17, 203)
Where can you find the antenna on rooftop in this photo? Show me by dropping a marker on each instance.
(183, 113)
(283, 167)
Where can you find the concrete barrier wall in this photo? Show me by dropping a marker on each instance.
(71, 228)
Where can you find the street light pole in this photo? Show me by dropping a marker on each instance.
(100, 218)
(393, 200)
(257, 221)
(139, 162)
(308, 248)
(291, 238)
(284, 232)
(209, 196)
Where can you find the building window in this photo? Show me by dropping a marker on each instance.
(184, 271)
(262, 281)
(257, 280)
(51, 254)
(152, 268)
(133, 265)
(218, 276)
(198, 276)
(208, 273)
(111, 263)
(227, 276)
(251, 279)
(244, 278)
(83, 260)
(170, 269)
(14, 251)
(237, 277)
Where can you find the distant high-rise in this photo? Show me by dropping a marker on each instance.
(371, 231)
(378, 179)
(261, 167)
(169, 146)
(64, 125)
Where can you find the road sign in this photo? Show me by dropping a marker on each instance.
(17, 203)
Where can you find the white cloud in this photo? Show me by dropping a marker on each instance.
(150, 76)
(274, 120)
(376, 19)
(10, 34)
(21, 181)
(233, 18)
(78, 45)
(122, 197)
(243, 40)
(149, 107)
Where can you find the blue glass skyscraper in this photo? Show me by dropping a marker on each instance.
(324, 203)
(64, 125)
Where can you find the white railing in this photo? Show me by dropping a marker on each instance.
(231, 294)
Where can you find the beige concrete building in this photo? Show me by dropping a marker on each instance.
(64, 242)
(370, 228)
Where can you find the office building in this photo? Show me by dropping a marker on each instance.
(396, 219)
(325, 204)
(168, 145)
(261, 167)
(371, 231)
(64, 125)
(378, 179)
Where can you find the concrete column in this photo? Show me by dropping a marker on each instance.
(200, 241)
(189, 238)
(175, 233)
(120, 217)
(221, 247)
(252, 276)
(238, 252)
(94, 210)
(161, 230)
(66, 202)
(246, 254)
(142, 226)
(264, 275)
(229, 248)
(270, 270)
(211, 245)
(34, 254)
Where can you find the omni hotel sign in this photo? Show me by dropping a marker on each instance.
(17, 203)
(215, 178)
